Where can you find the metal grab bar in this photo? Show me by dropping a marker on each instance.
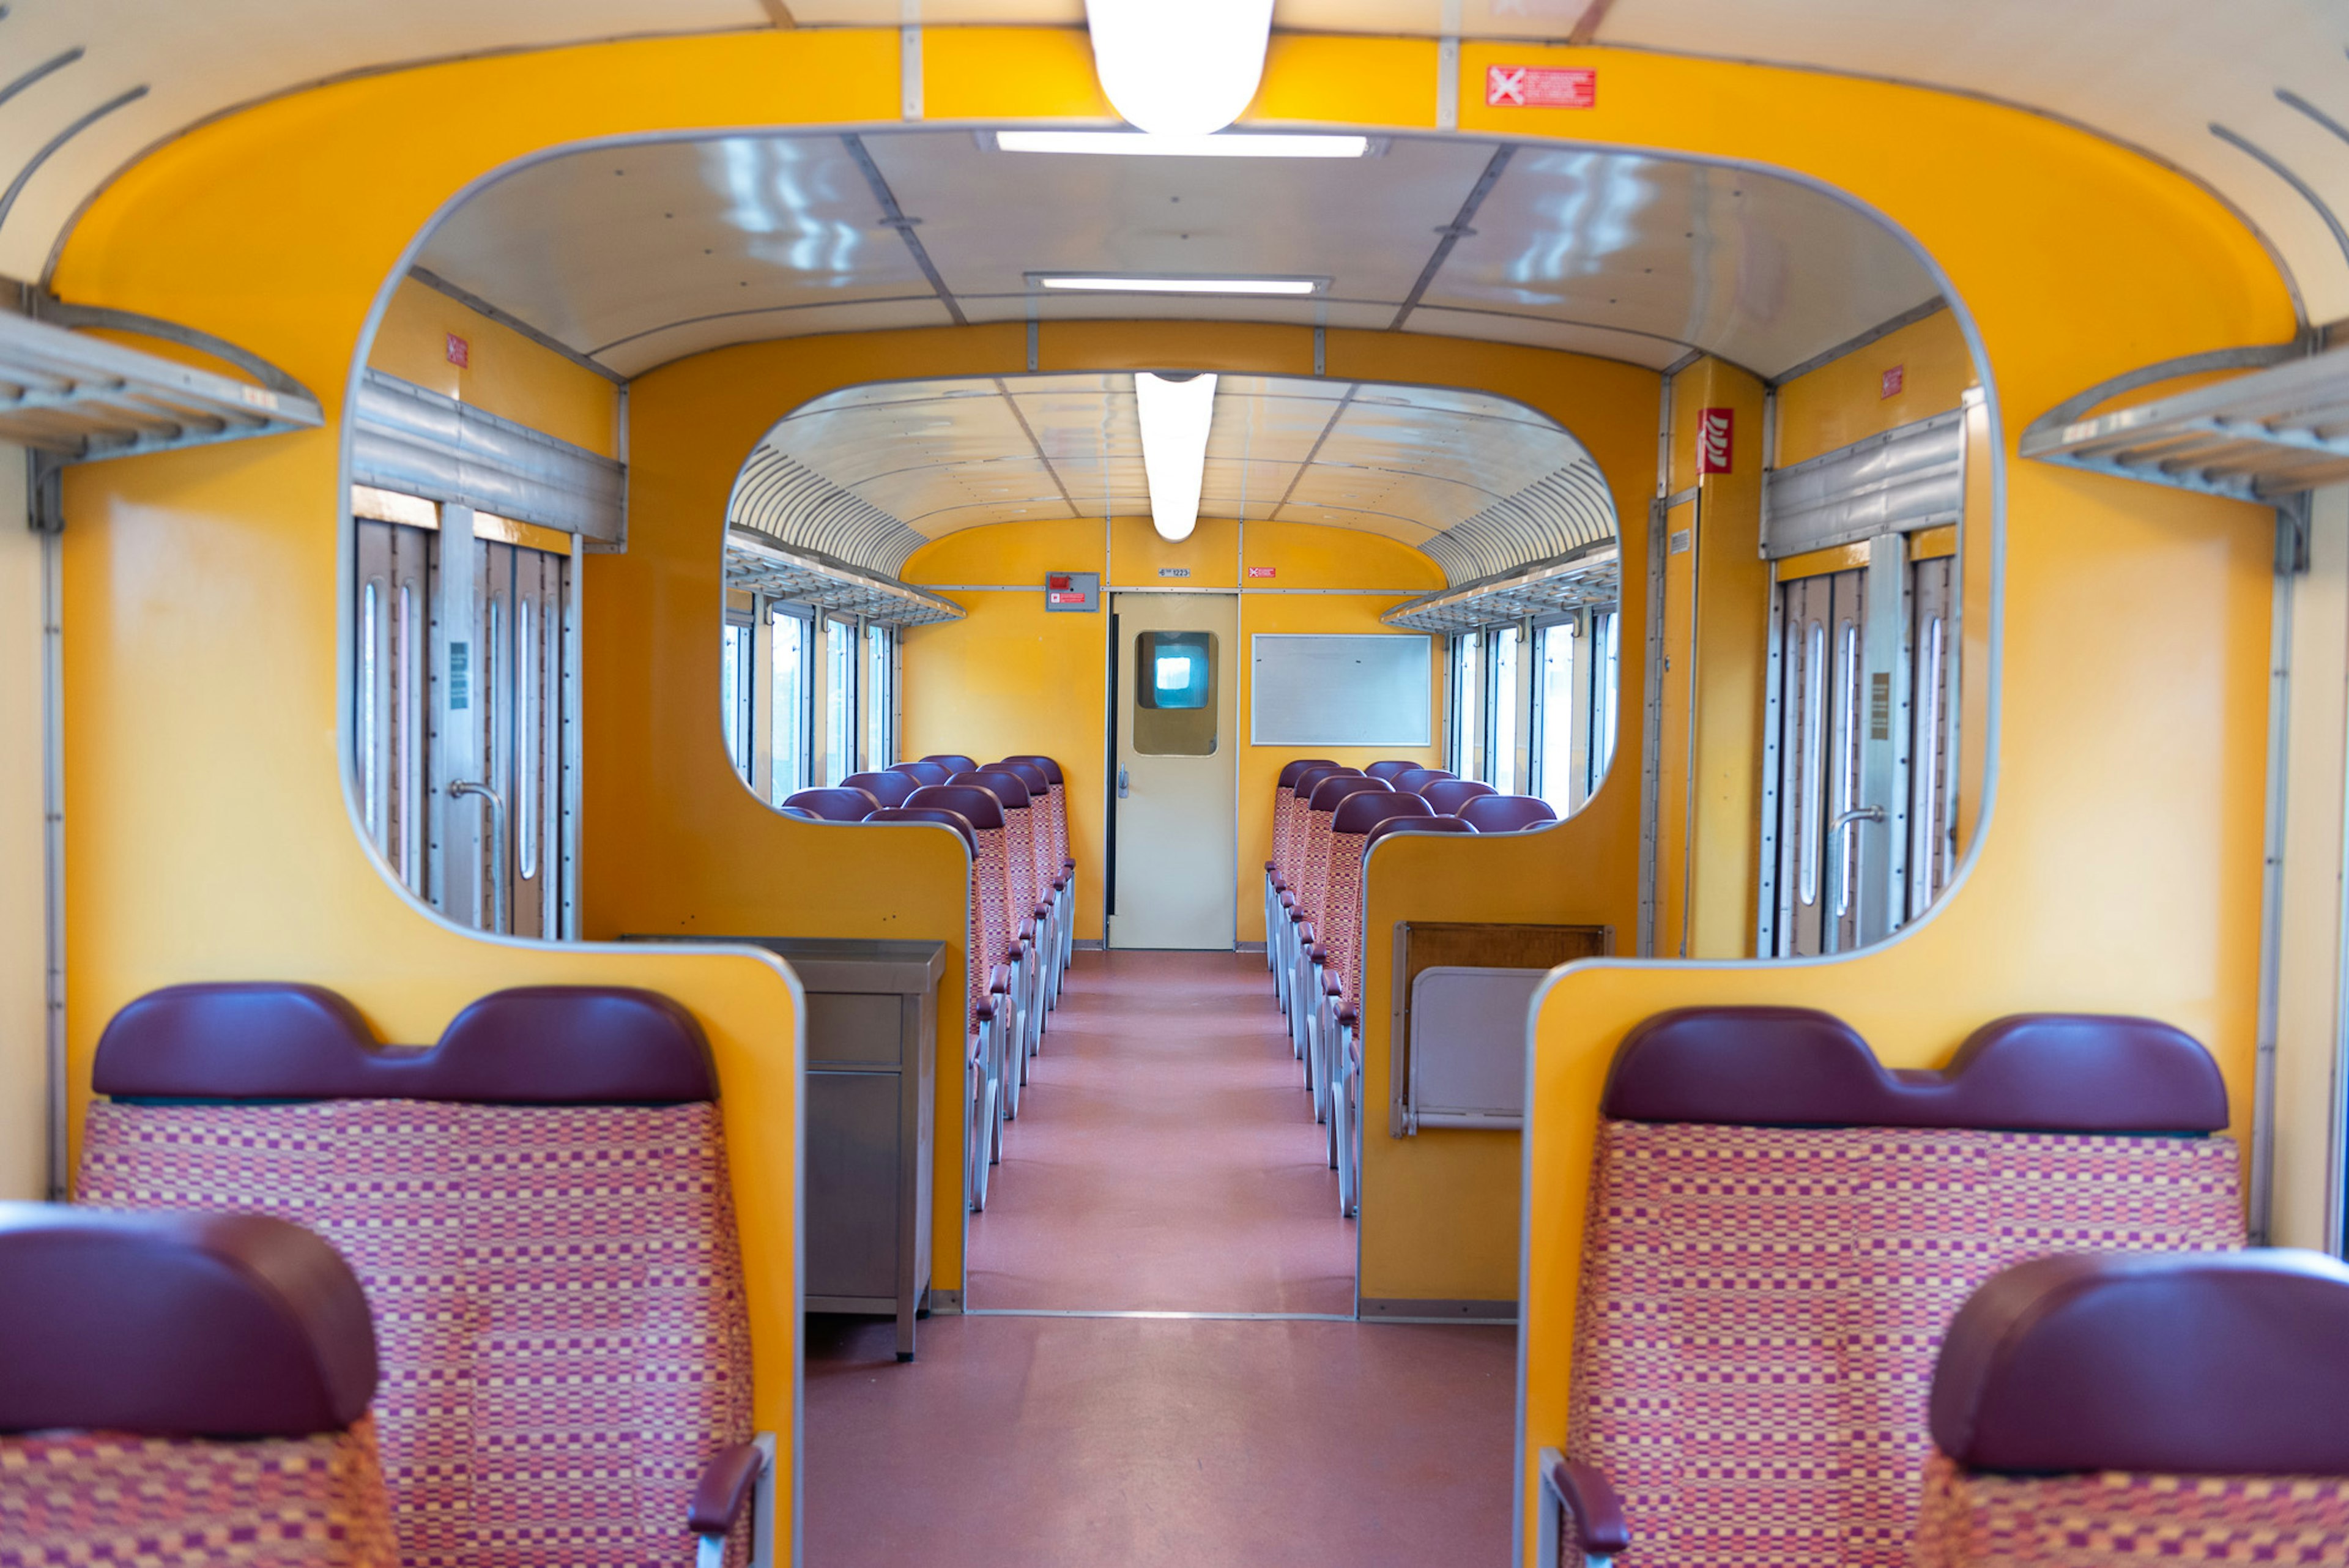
(497, 847)
(1843, 863)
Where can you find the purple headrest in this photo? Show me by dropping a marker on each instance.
(1506, 813)
(225, 1325)
(982, 808)
(2181, 1364)
(1365, 809)
(801, 812)
(838, 804)
(1310, 777)
(1389, 770)
(1416, 779)
(548, 1044)
(923, 773)
(1028, 774)
(1329, 792)
(1448, 796)
(1789, 1066)
(1052, 769)
(953, 819)
(1008, 787)
(953, 764)
(1416, 825)
(886, 789)
(1290, 770)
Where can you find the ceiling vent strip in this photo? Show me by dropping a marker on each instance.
(81, 398)
(1589, 578)
(1905, 479)
(415, 441)
(755, 564)
(790, 503)
(1563, 512)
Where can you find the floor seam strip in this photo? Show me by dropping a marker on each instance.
(1177, 1316)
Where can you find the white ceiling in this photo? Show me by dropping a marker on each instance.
(640, 256)
(871, 474)
(2155, 74)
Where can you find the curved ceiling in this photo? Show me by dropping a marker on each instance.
(869, 474)
(2250, 98)
(637, 256)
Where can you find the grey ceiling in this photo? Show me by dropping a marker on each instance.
(869, 474)
(642, 255)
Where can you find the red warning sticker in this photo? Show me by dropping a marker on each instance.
(1716, 431)
(1263, 571)
(1540, 87)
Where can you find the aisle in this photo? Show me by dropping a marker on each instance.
(1167, 1161)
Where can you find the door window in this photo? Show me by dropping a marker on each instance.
(1175, 677)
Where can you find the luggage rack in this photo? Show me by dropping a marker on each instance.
(1590, 576)
(72, 398)
(2262, 437)
(760, 565)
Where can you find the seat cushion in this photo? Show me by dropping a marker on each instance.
(2115, 1517)
(556, 1289)
(315, 1501)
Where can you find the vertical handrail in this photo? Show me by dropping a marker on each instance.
(497, 847)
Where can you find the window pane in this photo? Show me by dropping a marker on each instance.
(1504, 710)
(1467, 707)
(839, 701)
(1605, 642)
(1555, 744)
(1174, 693)
(880, 696)
(734, 694)
(788, 715)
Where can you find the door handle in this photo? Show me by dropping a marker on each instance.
(1124, 782)
(497, 803)
(1857, 813)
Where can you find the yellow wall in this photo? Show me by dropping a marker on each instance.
(505, 373)
(1842, 401)
(2120, 867)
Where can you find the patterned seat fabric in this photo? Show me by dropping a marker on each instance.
(556, 1288)
(120, 1337)
(2094, 1412)
(1761, 1306)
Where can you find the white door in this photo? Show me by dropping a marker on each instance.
(1174, 835)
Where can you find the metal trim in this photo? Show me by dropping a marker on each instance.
(416, 441)
(1436, 1309)
(767, 567)
(50, 148)
(480, 307)
(1853, 345)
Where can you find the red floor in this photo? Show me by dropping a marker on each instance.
(1165, 1160)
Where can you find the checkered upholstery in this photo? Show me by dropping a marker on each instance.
(186, 1502)
(1020, 859)
(2108, 1519)
(1284, 820)
(1312, 878)
(557, 1290)
(1761, 1308)
(1342, 928)
(1059, 799)
(991, 890)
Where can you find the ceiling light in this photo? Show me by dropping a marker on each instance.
(1231, 144)
(1139, 284)
(1179, 70)
(1174, 413)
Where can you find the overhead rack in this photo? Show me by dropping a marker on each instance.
(1587, 579)
(2259, 437)
(759, 565)
(81, 398)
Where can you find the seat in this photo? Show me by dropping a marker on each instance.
(1051, 882)
(1389, 770)
(1448, 796)
(182, 1390)
(1058, 800)
(2095, 1410)
(924, 774)
(1416, 779)
(538, 1209)
(885, 788)
(840, 804)
(1000, 955)
(1416, 824)
(982, 1089)
(953, 764)
(1284, 798)
(1290, 852)
(1506, 813)
(1032, 916)
(1310, 1020)
(1781, 1230)
(1341, 937)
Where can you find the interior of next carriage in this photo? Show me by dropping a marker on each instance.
(1091, 782)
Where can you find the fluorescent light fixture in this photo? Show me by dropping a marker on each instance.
(1146, 283)
(1230, 144)
(1179, 70)
(1175, 419)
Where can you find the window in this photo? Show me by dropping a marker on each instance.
(880, 695)
(1556, 755)
(1506, 641)
(1174, 693)
(786, 663)
(734, 677)
(839, 700)
(1605, 690)
(1467, 705)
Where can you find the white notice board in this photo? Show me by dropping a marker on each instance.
(1341, 691)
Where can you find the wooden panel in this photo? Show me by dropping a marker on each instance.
(1425, 944)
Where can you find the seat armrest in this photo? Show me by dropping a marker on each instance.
(1592, 1515)
(998, 980)
(1043, 911)
(984, 1013)
(1319, 953)
(724, 1490)
(1348, 1017)
(1069, 866)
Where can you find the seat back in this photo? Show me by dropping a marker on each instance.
(1056, 800)
(1448, 796)
(1349, 839)
(1416, 779)
(950, 761)
(1290, 852)
(1284, 802)
(1394, 825)
(170, 1383)
(989, 869)
(2185, 1407)
(1755, 1155)
(1018, 834)
(975, 967)
(1312, 879)
(885, 788)
(1389, 770)
(924, 774)
(1040, 803)
(1506, 813)
(537, 1207)
(840, 804)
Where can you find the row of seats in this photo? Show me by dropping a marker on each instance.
(521, 1341)
(1325, 818)
(1781, 1232)
(1013, 816)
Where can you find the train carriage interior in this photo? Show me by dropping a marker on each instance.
(1096, 782)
